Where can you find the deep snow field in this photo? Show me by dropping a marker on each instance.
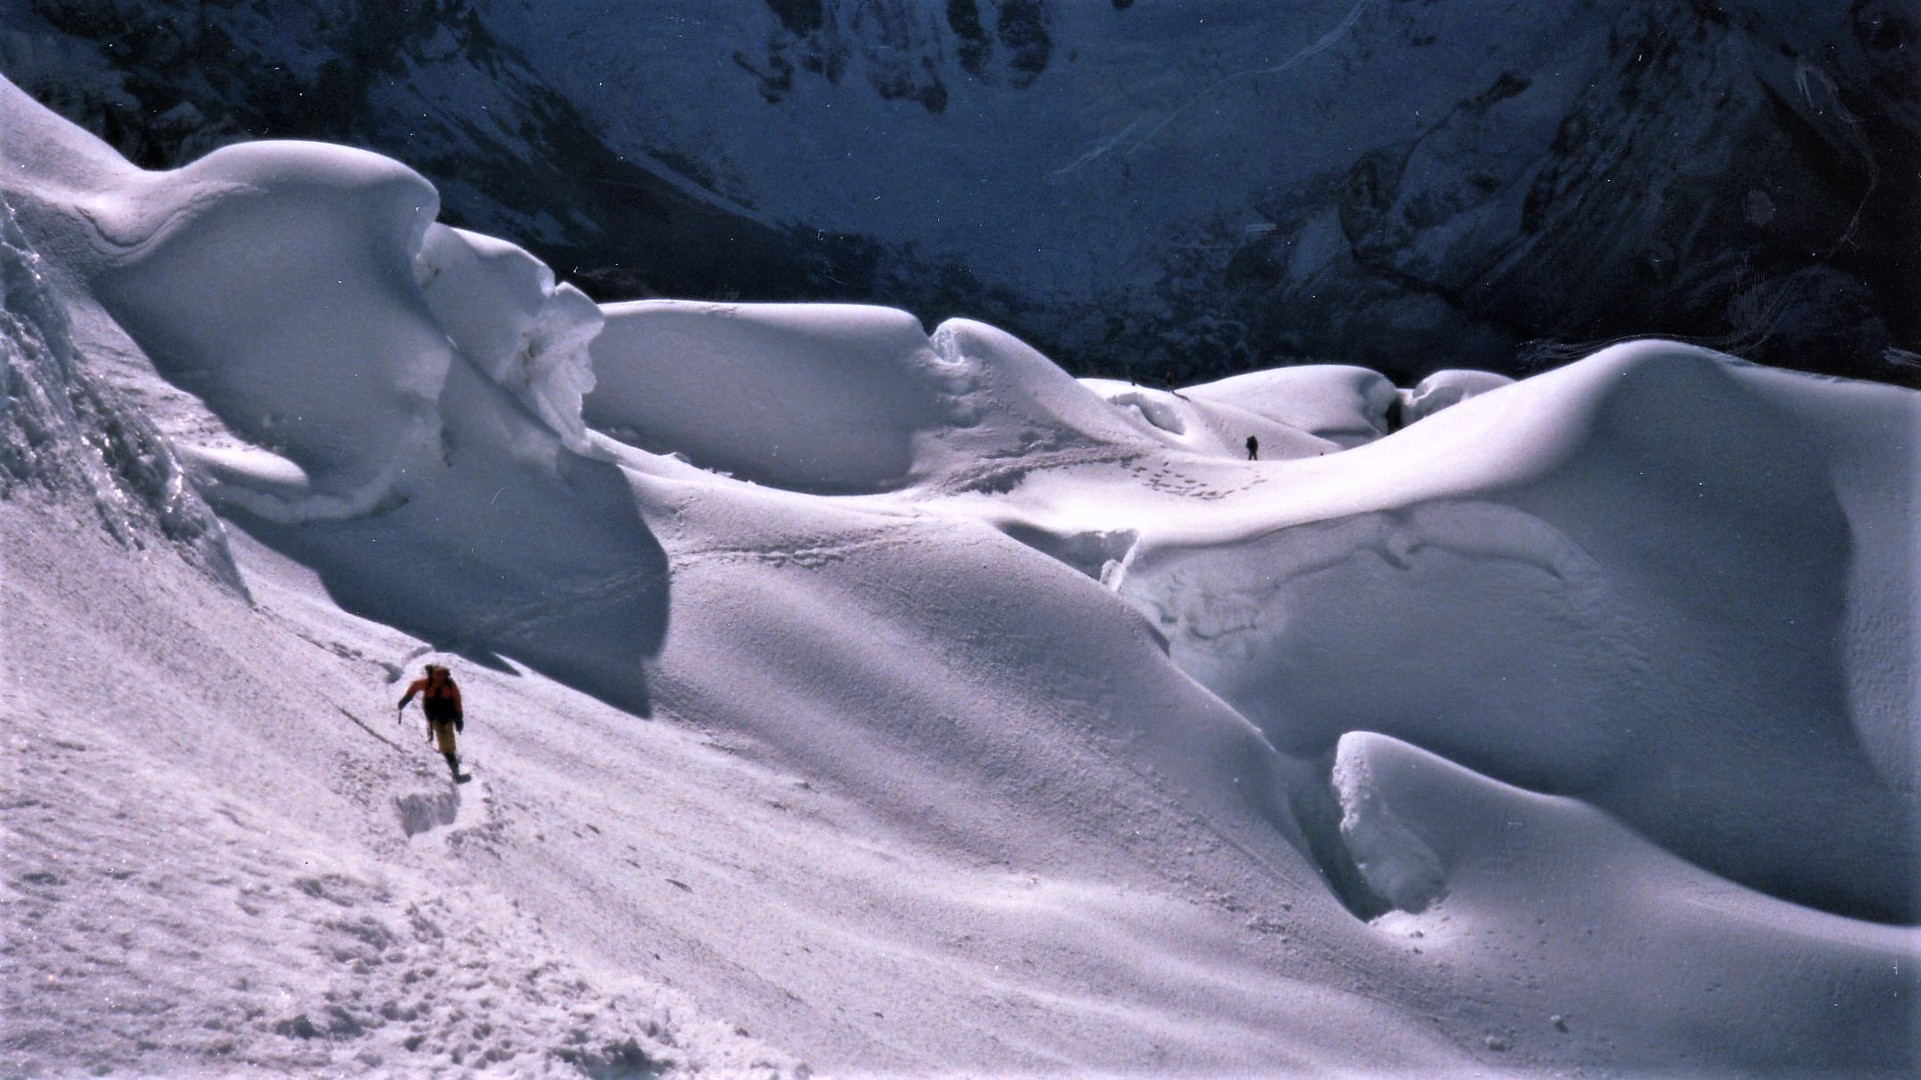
(854, 699)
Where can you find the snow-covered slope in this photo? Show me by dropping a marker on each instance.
(1204, 187)
(852, 697)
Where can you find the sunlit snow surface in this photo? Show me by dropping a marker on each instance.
(852, 697)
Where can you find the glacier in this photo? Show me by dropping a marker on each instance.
(848, 697)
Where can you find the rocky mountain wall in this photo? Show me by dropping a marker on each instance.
(1174, 191)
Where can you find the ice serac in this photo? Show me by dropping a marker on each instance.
(275, 281)
(333, 416)
(64, 434)
(1393, 860)
(824, 398)
(1445, 388)
(503, 309)
(1344, 405)
(1535, 583)
(1011, 402)
(836, 398)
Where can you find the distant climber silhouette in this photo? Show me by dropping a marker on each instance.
(1253, 448)
(440, 700)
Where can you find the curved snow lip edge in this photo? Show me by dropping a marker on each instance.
(271, 487)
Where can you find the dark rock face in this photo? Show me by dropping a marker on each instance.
(1711, 183)
(902, 47)
(1735, 172)
(1020, 29)
(798, 16)
(974, 46)
(511, 157)
(1617, 228)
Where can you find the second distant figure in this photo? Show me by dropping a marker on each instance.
(1253, 448)
(440, 700)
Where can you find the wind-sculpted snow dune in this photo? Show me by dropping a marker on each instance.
(889, 700)
(1632, 580)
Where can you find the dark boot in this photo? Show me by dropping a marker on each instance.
(453, 764)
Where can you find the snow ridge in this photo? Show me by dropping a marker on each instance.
(505, 313)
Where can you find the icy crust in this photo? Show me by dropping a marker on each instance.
(1534, 582)
(276, 281)
(504, 311)
(61, 432)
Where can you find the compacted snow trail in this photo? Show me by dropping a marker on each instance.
(245, 879)
(846, 696)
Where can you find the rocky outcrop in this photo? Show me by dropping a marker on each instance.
(1712, 181)
(904, 47)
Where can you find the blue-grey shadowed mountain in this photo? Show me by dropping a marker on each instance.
(1171, 190)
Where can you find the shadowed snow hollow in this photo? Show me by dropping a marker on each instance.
(1498, 882)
